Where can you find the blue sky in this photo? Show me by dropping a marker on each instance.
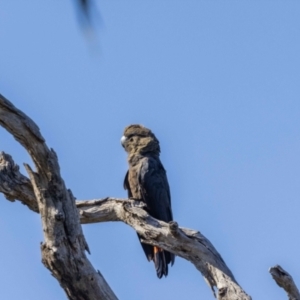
(216, 81)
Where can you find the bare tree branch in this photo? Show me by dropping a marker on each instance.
(63, 251)
(187, 243)
(285, 281)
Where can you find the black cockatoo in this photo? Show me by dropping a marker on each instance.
(146, 181)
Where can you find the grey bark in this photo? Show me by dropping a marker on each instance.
(63, 250)
(285, 281)
(187, 243)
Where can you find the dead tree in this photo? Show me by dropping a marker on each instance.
(64, 246)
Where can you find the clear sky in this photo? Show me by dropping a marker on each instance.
(216, 81)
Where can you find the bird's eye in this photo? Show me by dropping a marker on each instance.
(130, 137)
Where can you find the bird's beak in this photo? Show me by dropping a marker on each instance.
(123, 139)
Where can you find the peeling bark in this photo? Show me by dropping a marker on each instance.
(63, 251)
(14, 185)
(285, 281)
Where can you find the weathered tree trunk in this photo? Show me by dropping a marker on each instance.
(63, 250)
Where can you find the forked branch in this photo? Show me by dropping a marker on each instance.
(63, 249)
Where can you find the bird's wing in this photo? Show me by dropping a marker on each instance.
(155, 189)
(126, 185)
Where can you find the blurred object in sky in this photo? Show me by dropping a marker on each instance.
(88, 14)
(90, 20)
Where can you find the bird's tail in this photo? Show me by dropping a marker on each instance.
(161, 260)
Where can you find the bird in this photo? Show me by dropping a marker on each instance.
(146, 181)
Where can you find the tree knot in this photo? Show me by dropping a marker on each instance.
(222, 291)
(173, 228)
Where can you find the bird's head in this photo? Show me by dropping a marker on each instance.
(138, 139)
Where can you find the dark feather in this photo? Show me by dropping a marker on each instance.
(126, 185)
(146, 180)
